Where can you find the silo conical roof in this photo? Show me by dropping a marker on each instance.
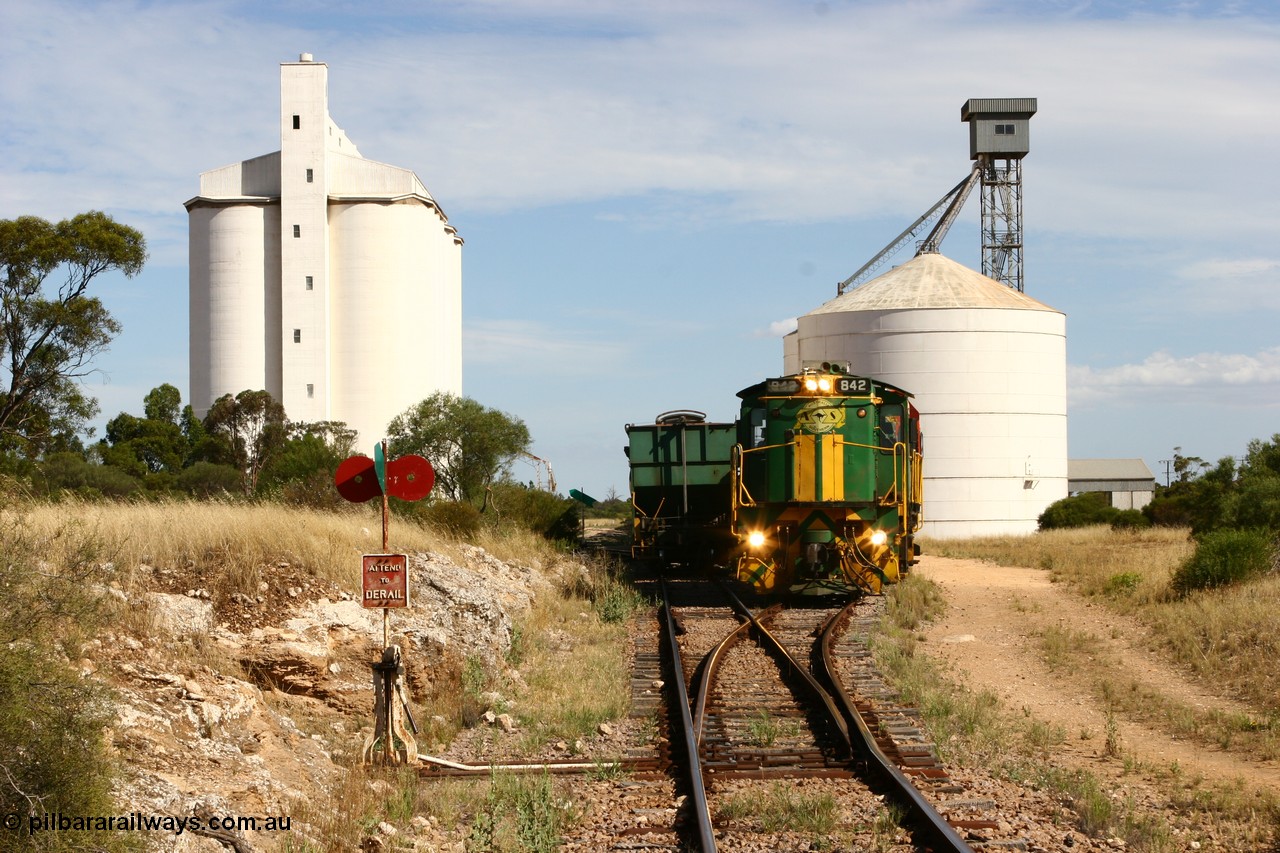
(930, 281)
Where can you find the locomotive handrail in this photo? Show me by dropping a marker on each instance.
(904, 493)
(742, 495)
(918, 485)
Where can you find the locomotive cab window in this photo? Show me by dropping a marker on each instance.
(889, 426)
(757, 428)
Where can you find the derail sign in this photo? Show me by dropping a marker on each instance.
(385, 580)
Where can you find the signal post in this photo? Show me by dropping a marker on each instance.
(384, 585)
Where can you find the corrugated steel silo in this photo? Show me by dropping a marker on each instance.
(988, 367)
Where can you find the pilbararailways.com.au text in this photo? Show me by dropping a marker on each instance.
(138, 822)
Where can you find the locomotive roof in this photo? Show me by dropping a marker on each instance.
(758, 389)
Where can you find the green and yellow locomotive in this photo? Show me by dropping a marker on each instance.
(816, 487)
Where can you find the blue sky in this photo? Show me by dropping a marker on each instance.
(649, 190)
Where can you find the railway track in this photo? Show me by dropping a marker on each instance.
(781, 706)
(768, 704)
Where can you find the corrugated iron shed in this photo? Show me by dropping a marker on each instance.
(1132, 473)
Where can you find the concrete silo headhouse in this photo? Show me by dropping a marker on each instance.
(331, 281)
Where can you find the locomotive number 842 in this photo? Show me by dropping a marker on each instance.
(816, 487)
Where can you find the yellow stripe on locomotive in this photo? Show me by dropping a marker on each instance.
(816, 486)
(826, 486)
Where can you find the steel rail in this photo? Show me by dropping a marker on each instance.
(710, 664)
(936, 825)
(806, 676)
(706, 833)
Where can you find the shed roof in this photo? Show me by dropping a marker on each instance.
(1108, 469)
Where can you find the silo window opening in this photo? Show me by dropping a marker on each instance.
(297, 122)
(311, 390)
(297, 336)
(310, 282)
(311, 176)
(1004, 130)
(297, 230)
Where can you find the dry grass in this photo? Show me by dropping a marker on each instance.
(977, 730)
(1229, 637)
(1094, 560)
(233, 545)
(577, 671)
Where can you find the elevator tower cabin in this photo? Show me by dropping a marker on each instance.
(998, 140)
(999, 137)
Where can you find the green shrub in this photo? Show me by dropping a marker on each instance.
(1224, 557)
(456, 518)
(52, 754)
(521, 813)
(70, 472)
(51, 724)
(543, 512)
(615, 600)
(207, 480)
(314, 491)
(1082, 510)
(1129, 519)
(1256, 503)
(1123, 583)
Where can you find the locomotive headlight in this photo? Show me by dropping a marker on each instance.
(824, 384)
(811, 385)
(879, 537)
(755, 539)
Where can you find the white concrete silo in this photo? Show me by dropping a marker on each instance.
(987, 365)
(332, 281)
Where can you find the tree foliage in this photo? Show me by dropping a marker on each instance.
(470, 445)
(253, 426)
(1196, 498)
(302, 472)
(153, 449)
(1233, 512)
(50, 329)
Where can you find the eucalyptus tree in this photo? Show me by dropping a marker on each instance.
(51, 329)
(470, 445)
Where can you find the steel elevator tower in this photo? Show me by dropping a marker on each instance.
(999, 137)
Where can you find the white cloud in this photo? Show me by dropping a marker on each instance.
(752, 110)
(1237, 377)
(1216, 269)
(1224, 285)
(782, 328)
